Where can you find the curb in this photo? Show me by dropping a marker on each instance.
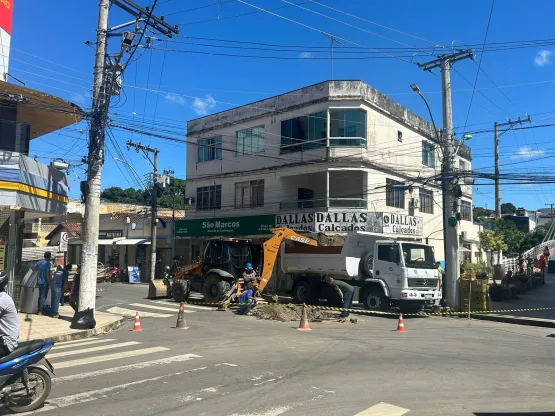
(112, 326)
(517, 320)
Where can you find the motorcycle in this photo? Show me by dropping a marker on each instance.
(25, 376)
(115, 274)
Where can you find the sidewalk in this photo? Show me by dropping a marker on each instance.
(540, 297)
(43, 327)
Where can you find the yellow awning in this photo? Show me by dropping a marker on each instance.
(45, 113)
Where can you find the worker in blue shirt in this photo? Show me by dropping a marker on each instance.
(43, 269)
(247, 300)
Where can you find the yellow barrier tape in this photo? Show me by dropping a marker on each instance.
(379, 313)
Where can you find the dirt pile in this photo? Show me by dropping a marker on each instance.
(289, 312)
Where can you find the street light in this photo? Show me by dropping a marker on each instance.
(416, 89)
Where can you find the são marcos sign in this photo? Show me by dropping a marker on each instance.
(323, 222)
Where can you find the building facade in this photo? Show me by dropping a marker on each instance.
(327, 159)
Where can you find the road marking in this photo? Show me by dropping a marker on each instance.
(228, 364)
(78, 343)
(383, 409)
(93, 349)
(131, 313)
(161, 308)
(162, 302)
(274, 411)
(138, 366)
(109, 357)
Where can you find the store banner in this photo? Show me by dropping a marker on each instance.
(345, 222)
(300, 221)
(230, 226)
(402, 224)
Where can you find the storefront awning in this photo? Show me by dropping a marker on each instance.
(103, 242)
(132, 241)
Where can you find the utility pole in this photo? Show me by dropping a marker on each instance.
(450, 201)
(89, 257)
(107, 82)
(496, 135)
(551, 210)
(153, 200)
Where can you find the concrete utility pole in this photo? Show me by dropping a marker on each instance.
(551, 205)
(89, 257)
(107, 81)
(450, 202)
(496, 135)
(153, 200)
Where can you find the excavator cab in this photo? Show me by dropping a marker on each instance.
(227, 254)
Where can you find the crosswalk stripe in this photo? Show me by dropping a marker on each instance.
(162, 302)
(383, 409)
(108, 357)
(93, 349)
(74, 344)
(131, 313)
(161, 308)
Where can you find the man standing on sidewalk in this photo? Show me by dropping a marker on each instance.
(43, 269)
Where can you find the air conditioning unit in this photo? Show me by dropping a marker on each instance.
(414, 203)
(464, 235)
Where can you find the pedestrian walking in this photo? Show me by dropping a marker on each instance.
(345, 292)
(43, 269)
(543, 266)
(74, 296)
(56, 284)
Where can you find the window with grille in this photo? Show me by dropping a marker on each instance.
(209, 197)
(209, 149)
(428, 156)
(463, 165)
(249, 194)
(426, 201)
(395, 196)
(250, 141)
(466, 210)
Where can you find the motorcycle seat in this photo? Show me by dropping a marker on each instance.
(22, 349)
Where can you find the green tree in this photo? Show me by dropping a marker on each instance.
(512, 237)
(491, 240)
(480, 214)
(508, 208)
(170, 196)
(533, 238)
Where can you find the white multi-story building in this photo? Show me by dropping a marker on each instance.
(328, 158)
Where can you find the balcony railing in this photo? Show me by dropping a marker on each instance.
(312, 204)
(347, 142)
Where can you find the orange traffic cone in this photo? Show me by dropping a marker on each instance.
(137, 326)
(181, 324)
(303, 325)
(401, 324)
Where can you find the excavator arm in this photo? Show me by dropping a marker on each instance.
(271, 250)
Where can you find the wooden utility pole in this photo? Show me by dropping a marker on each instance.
(107, 80)
(450, 201)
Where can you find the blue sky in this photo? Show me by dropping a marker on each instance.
(168, 87)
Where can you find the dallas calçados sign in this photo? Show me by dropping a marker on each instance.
(331, 222)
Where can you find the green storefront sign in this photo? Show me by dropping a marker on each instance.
(231, 226)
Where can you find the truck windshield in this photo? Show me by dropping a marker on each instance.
(418, 256)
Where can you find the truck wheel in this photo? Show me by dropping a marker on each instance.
(180, 291)
(214, 288)
(366, 265)
(303, 292)
(375, 300)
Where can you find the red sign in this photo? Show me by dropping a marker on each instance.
(6, 13)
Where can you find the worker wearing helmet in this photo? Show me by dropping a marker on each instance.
(249, 275)
(9, 322)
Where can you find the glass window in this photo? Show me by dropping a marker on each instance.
(303, 133)
(250, 141)
(426, 201)
(463, 165)
(400, 136)
(395, 197)
(383, 253)
(209, 149)
(348, 123)
(428, 156)
(249, 194)
(466, 210)
(209, 197)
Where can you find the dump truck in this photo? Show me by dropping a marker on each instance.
(385, 272)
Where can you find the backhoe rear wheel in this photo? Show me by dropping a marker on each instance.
(214, 288)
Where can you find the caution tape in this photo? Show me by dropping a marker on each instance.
(380, 313)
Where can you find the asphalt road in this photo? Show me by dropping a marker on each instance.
(228, 365)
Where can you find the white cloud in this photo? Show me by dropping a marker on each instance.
(526, 152)
(202, 105)
(175, 98)
(542, 58)
(305, 55)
